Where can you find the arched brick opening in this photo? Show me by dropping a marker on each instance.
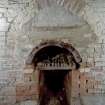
(54, 60)
(67, 47)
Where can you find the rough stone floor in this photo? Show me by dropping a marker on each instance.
(85, 100)
(27, 103)
(93, 100)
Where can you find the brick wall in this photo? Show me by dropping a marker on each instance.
(18, 36)
(82, 84)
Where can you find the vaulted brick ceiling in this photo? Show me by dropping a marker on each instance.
(59, 13)
(72, 5)
(55, 17)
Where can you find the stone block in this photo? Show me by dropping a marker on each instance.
(10, 19)
(8, 91)
(11, 13)
(2, 34)
(2, 21)
(1, 14)
(29, 102)
(3, 10)
(3, 28)
(2, 39)
(2, 53)
(7, 96)
(7, 100)
(100, 63)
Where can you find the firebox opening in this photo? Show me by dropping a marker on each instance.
(49, 52)
(54, 60)
(53, 87)
(54, 80)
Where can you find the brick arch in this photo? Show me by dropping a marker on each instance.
(59, 44)
(41, 76)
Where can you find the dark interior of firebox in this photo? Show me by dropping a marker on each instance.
(48, 53)
(54, 80)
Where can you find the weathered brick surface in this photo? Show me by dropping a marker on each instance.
(26, 91)
(19, 35)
